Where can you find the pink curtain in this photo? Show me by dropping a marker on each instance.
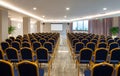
(119, 26)
(100, 26)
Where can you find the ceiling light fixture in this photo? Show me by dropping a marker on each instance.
(43, 16)
(34, 8)
(65, 16)
(104, 9)
(67, 8)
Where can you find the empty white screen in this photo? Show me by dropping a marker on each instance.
(56, 27)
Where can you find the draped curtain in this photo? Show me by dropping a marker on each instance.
(119, 26)
(100, 26)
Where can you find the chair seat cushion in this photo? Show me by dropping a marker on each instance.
(87, 72)
(41, 72)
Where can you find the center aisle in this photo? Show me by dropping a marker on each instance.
(63, 64)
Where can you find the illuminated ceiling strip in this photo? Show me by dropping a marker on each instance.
(9, 6)
(56, 20)
(96, 16)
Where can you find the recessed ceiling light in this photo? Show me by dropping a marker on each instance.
(43, 16)
(34, 8)
(67, 8)
(104, 9)
(65, 16)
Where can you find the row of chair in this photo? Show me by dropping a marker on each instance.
(24, 68)
(30, 47)
(98, 51)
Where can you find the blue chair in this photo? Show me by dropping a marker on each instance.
(91, 45)
(42, 41)
(113, 45)
(26, 54)
(36, 45)
(85, 56)
(102, 40)
(114, 56)
(49, 46)
(102, 45)
(9, 41)
(101, 55)
(16, 45)
(6, 68)
(27, 68)
(42, 55)
(85, 41)
(101, 69)
(110, 41)
(74, 41)
(94, 41)
(52, 41)
(78, 47)
(12, 54)
(26, 44)
(4, 46)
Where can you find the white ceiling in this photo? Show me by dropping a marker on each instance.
(55, 9)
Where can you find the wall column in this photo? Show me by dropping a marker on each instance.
(26, 25)
(3, 25)
(38, 26)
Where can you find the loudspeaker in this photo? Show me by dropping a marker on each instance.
(43, 23)
(68, 23)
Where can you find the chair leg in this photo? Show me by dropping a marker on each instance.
(78, 69)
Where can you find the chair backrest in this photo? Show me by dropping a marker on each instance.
(33, 40)
(1, 55)
(6, 68)
(49, 46)
(25, 40)
(12, 54)
(74, 41)
(91, 45)
(102, 45)
(85, 55)
(16, 45)
(80, 38)
(94, 41)
(42, 53)
(117, 38)
(115, 55)
(4, 45)
(9, 41)
(26, 54)
(52, 41)
(102, 69)
(110, 41)
(101, 55)
(85, 41)
(36, 45)
(26, 44)
(118, 41)
(78, 47)
(102, 40)
(113, 45)
(13, 39)
(27, 68)
(18, 40)
(42, 40)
